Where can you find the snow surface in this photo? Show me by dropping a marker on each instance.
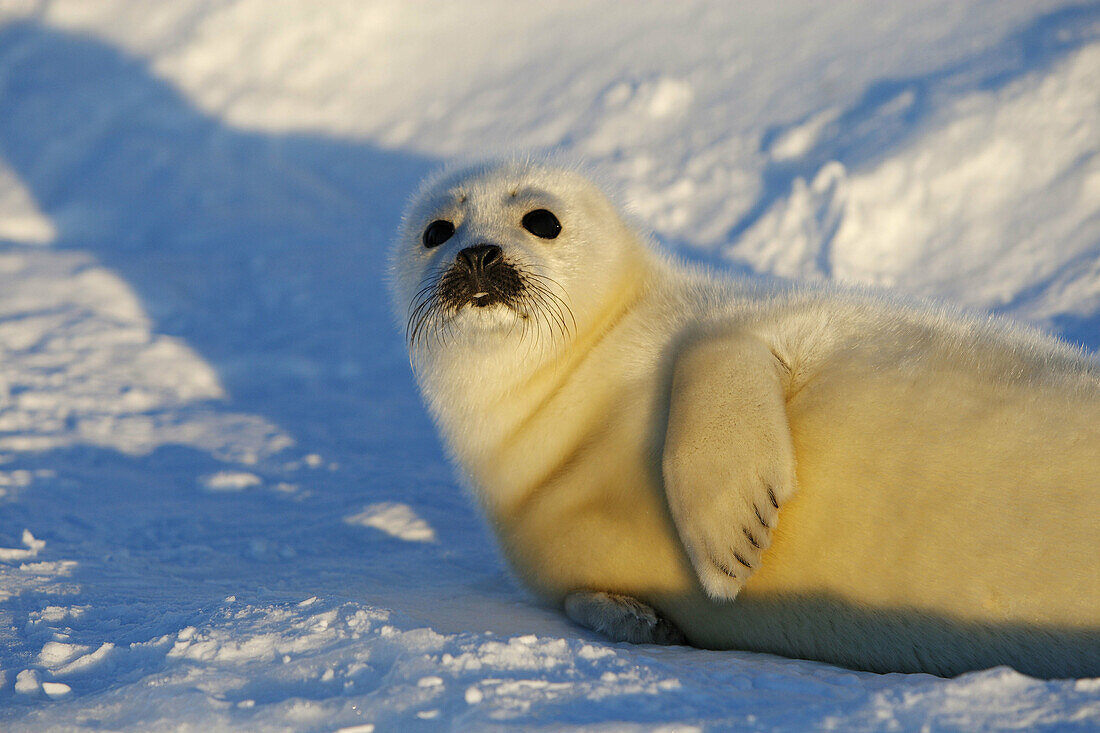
(221, 503)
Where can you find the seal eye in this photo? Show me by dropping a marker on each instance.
(438, 232)
(542, 223)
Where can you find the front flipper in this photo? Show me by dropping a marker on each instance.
(728, 460)
(621, 618)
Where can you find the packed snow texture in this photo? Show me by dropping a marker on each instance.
(221, 503)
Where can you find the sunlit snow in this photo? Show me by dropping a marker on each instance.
(222, 505)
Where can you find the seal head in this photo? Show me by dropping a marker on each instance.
(504, 254)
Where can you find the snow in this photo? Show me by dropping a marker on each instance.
(32, 546)
(221, 503)
(396, 520)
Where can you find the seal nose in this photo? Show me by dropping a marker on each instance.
(480, 257)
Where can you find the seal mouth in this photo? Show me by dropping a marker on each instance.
(485, 299)
(497, 286)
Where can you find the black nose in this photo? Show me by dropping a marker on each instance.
(479, 257)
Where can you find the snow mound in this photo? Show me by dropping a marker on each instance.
(396, 520)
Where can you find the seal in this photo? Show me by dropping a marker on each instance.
(676, 455)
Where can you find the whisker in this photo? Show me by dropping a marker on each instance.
(539, 301)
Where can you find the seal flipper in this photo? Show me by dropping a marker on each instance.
(621, 618)
(728, 460)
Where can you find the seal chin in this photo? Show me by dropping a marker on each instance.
(462, 304)
(486, 312)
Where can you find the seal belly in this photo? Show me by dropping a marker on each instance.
(943, 491)
(937, 528)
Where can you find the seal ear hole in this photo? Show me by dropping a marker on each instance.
(542, 223)
(438, 232)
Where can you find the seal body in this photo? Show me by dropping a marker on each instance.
(672, 454)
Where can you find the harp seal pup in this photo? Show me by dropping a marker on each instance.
(674, 455)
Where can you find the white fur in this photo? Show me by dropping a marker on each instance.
(937, 476)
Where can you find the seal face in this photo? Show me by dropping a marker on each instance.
(675, 455)
(498, 250)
